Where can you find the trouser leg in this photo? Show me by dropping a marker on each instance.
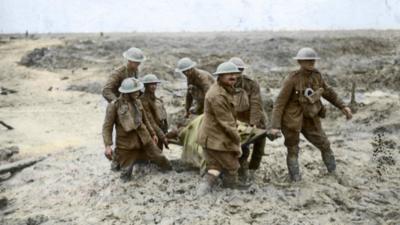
(154, 154)
(313, 132)
(292, 139)
(258, 153)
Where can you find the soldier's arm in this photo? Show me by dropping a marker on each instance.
(256, 110)
(109, 121)
(150, 117)
(224, 117)
(281, 102)
(189, 101)
(111, 85)
(330, 95)
(146, 121)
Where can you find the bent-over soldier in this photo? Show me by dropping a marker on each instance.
(198, 82)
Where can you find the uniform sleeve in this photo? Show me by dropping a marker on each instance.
(330, 95)
(189, 99)
(281, 102)
(205, 83)
(110, 90)
(109, 121)
(146, 121)
(256, 110)
(152, 121)
(223, 115)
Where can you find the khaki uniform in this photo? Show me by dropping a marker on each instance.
(198, 84)
(133, 133)
(218, 134)
(249, 110)
(157, 115)
(294, 114)
(110, 90)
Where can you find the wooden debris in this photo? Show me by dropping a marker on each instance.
(19, 165)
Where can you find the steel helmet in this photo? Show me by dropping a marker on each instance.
(227, 67)
(185, 64)
(306, 54)
(134, 54)
(130, 85)
(238, 62)
(150, 79)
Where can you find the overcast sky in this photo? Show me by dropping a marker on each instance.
(195, 15)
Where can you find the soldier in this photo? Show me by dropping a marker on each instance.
(154, 108)
(198, 82)
(249, 110)
(218, 134)
(298, 109)
(134, 58)
(135, 138)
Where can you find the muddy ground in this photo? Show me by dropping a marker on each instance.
(50, 87)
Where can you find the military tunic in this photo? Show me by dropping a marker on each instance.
(198, 84)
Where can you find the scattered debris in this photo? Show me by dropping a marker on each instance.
(6, 91)
(7, 153)
(19, 165)
(90, 87)
(6, 125)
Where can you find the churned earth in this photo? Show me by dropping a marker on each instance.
(56, 110)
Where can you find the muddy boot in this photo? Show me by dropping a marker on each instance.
(206, 184)
(293, 164)
(243, 171)
(232, 182)
(115, 166)
(126, 174)
(329, 160)
(164, 164)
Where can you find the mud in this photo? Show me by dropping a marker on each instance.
(57, 112)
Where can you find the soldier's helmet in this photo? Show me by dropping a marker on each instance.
(150, 79)
(134, 54)
(185, 64)
(226, 67)
(306, 54)
(130, 85)
(238, 62)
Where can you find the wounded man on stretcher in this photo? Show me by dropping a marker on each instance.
(192, 153)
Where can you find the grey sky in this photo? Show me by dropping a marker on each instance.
(196, 15)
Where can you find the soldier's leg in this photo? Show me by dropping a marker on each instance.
(313, 132)
(154, 154)
(126, 159)
(114, 161)
(210, 178)
(244, 164)
(292, 139)
(256, 156)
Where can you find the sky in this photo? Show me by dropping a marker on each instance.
(55, 16)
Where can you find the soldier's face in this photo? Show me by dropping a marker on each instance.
(228, 79)
(151, 87)
(307, 64)
(188, 72)
(133, 65)
(134, 95)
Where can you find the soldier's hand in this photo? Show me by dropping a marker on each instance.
(187, 114)
(347, 112)
(165, 141)
(275, 132)
(155, 139)
(108, 152)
